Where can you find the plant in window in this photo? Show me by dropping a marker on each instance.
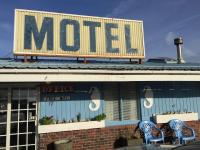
(47, 120)
(63, 121)
(99, 117)
(78, 117)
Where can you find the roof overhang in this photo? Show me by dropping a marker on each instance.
(69, 75)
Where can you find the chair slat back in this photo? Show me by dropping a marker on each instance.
(177, 126)
(147, 127)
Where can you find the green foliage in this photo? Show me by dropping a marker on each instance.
(99, 117)
(47, 120)
(78, 117)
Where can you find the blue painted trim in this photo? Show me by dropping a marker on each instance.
(120, 123)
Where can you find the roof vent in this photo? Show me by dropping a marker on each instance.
(178, 42)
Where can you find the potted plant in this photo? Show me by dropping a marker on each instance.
(46, 120)
(99, 117)
(78, 117)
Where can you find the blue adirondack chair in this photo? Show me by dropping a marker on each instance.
(147, 128)
(178, 127)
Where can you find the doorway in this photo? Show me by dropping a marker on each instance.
(18, 118)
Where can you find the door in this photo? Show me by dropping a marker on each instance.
(3, 117)
(18, 118)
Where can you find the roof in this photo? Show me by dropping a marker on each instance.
(95, 65)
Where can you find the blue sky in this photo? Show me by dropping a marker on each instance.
(163, 21)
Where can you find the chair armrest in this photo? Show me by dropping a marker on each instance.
(191, 130)
(162, 134)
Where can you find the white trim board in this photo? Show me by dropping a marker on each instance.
(105, 72)
(95, 77)
(70, 126)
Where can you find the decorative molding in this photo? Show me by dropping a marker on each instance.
(148, 94)
(95, 99)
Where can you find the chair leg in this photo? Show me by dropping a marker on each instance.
(179, 140)
(184, 142)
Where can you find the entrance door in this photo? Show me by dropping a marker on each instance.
(3, 117)
(18, 119)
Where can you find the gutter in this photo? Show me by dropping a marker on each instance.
(105, 72)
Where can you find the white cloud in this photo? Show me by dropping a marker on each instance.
(121, 8)
(169, 38)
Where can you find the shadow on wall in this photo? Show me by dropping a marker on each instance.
(120, 142)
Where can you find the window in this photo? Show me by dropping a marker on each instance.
(66, 103)
(120, 101)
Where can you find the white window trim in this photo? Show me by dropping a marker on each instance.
(8, 120)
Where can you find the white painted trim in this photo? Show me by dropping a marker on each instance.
(85, 71)
(37, 108)
(94, 78)
(8, 120)
(15, 26)
(144, 53)
(70, 126)
(67, 75)
(182, 117)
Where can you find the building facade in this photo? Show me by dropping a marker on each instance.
(95, 104)
(91, 104)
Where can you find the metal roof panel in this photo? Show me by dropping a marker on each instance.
(60, 64)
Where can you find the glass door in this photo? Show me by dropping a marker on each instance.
(3, 117)
(23, 119)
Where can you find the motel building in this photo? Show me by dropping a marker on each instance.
(90, 100)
